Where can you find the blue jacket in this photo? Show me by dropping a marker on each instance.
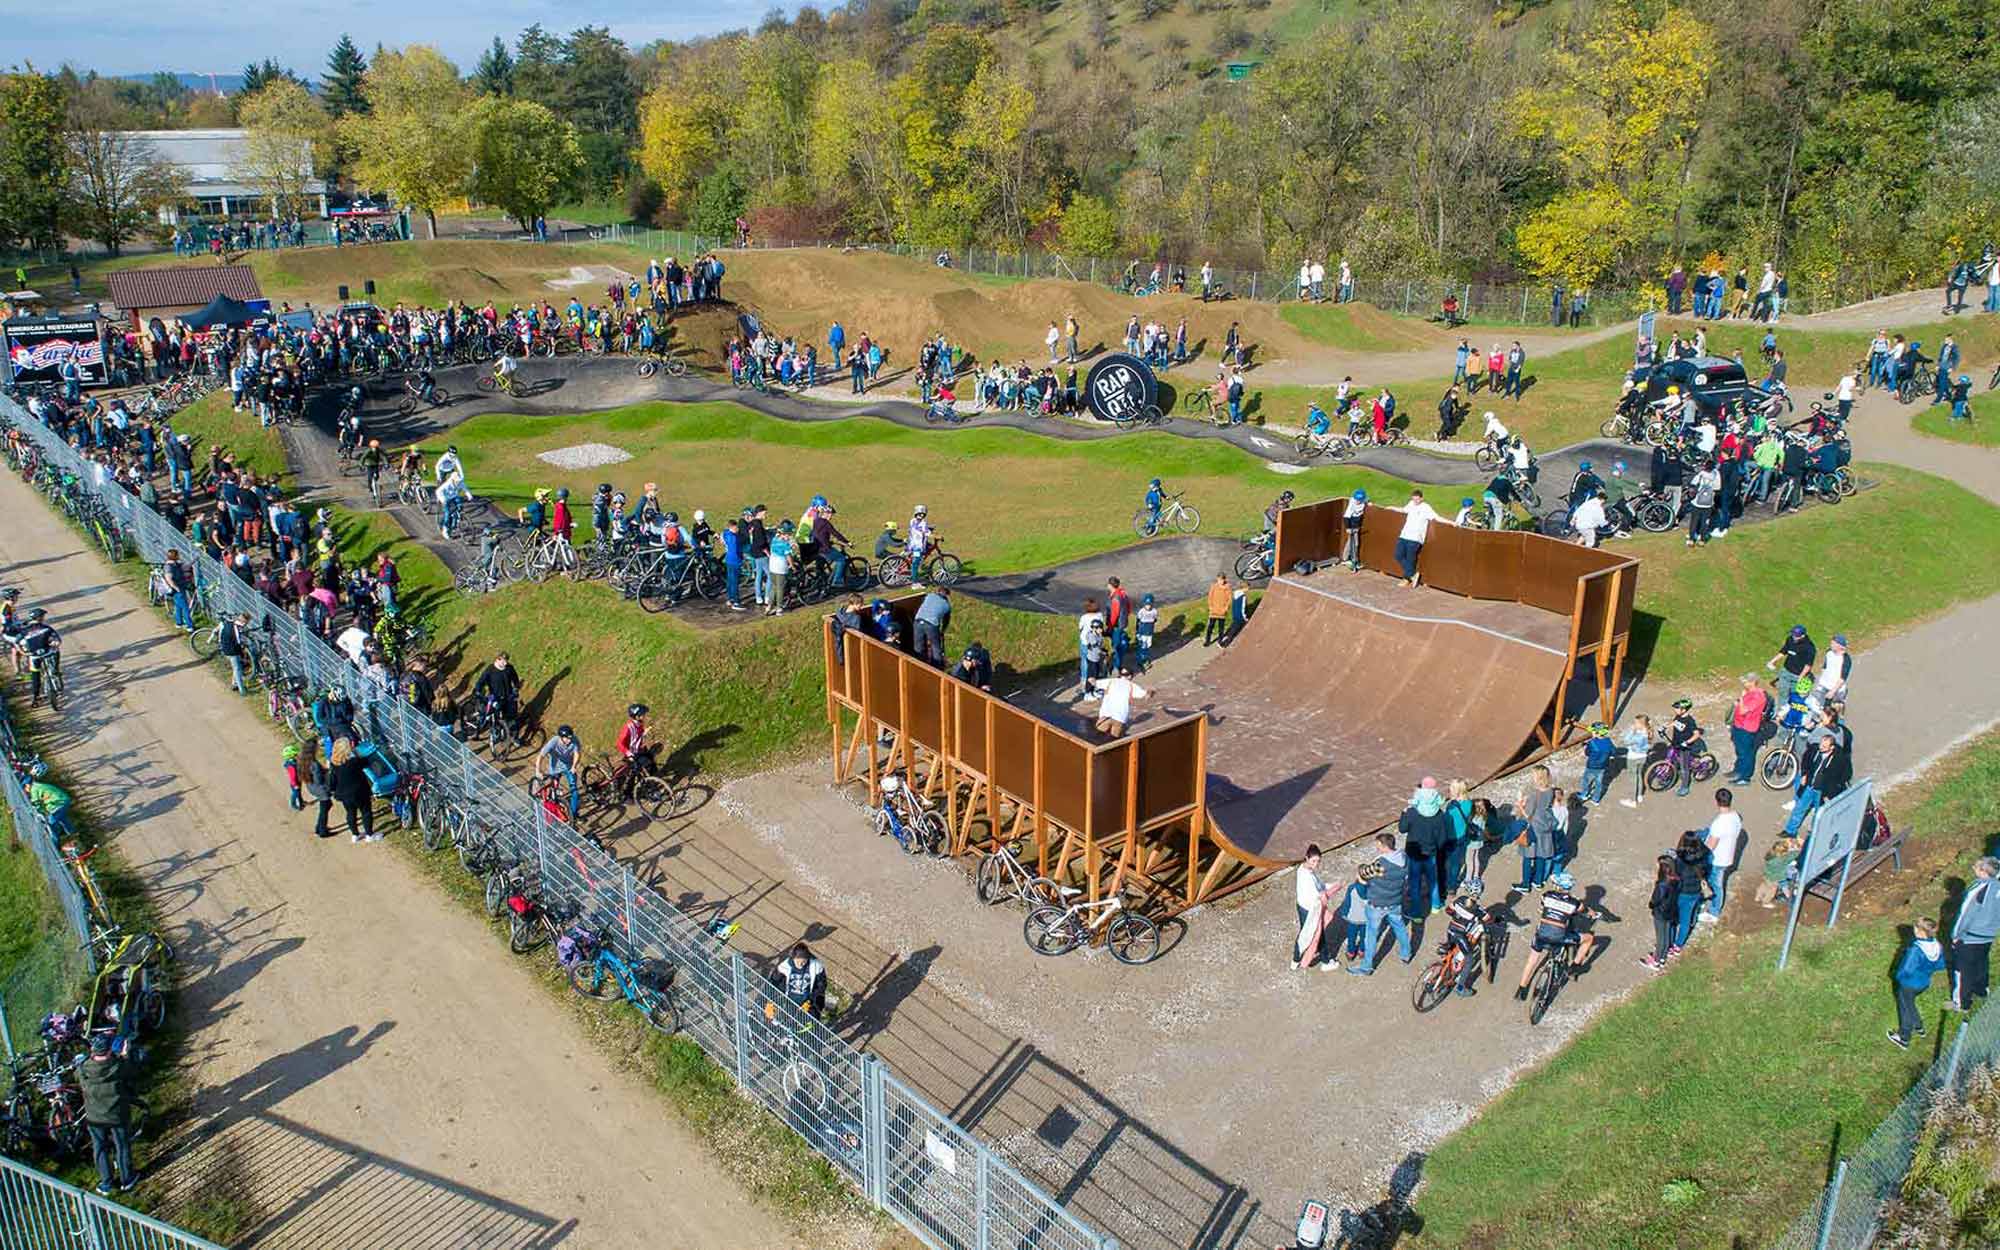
(1922, 959)
(732, 547)
(1598, 752)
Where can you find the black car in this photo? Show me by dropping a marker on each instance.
(1713, 381)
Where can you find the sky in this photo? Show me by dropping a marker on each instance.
(299, 33)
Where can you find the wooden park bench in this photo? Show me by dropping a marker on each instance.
(1865, 862)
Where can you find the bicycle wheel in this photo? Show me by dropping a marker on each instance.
(204, 642)
(1662, 774)
(803, 1080)
(588, 979)
(406, 404)
(1305, 447)
(522, 934)
(676, 367)
(1143, 524)
(499, 887)
(656, 797)
(1704, 766)
(1187, 520)
(894, 571)
(1133, 939)
(1542, 990)
(593, 784)
(1778, 767)
(1614, 428)
(1486, 460)
(1843, 482)
(661, 1011)
(1433, 983)
(930, 833)
(438, 826)
(647, 368)
(989, 881)
(1657, 516)
(946, 568)
(53, 687)
(486, 382)
(1049, 932)
(298, 719)
(1250, 567)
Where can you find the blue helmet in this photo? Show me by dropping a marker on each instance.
(1583, 466)
(819, 501)
(1154, 482)
(1562, 881)
(1465, 502)
(1360, 496)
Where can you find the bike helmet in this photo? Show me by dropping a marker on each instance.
(889, 526)
(890, 784)
(1599, 729)
(1154, 482)
(1583, 466)
(604, 488)
(1286, 496)
(1803, 685)
(673, 518)
(920, 510)
(1562, 881)
(11, 593)
(1964, 378)
(786, 526)
(879, 605)
(564, 731)
(38, 770)
(542, 494)
(1490, 497)
(1147, 598)
(562, 493)
(700, 517)
(1465, 502)
(619, 498)
(37, 615)
(819, 501)
(636, 709)
(1360, 496)
(1683, 705)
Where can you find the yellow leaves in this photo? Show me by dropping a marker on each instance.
(1626, 96)
(413, 140)
(680, 136)
(1575, 238)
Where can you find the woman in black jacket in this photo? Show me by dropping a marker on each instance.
(1665, 906)
(1695, 859)
(349, 785)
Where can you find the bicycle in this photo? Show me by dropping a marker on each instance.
(1146, 415)
(908, 819)
(490, 383)
(605, 784)
(49, 664)
(407, 402)
(1781, 763)
(674, 365)
(1556, 971)
(596, 971)
(1437, 981)
(939, 568)
(1257, 561)
(1003, 878)
(530, 921)
(478, 850)
(1309, 446)
(1057, 930)
(1667, 771)
(801, 1072)
(1173, 512)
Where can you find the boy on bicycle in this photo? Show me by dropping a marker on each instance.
(1562, 917)
(1684, 736)
(1316, 420)
(920, 538)
(1465, 931)
(503, 372)
(631, 742)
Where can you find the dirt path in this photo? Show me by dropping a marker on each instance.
(373, 1068)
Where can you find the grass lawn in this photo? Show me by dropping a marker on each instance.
(1722, 1072)
(1359, 327)
(1706, 612)
(210, 420)
(1980, 431)
(1003, 500)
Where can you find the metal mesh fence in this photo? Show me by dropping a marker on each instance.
(878, 1133)
(1847, 1215)
(49, 975)
(39, 1212)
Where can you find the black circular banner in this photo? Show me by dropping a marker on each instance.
(1120, 387)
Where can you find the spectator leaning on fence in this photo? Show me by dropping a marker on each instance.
(1972, 934)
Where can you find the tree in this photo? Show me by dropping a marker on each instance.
(495, 74)
(257, 74)
(284, 128)
(522, 157)
(118, 180)
(538, 59)
(855, 149)
(681, 131)
(1575, 238)
(34, 161)
(341, 85)
(721, 198)
(1315, 113)
(412, 141)
(598, 92)
(1089, 227)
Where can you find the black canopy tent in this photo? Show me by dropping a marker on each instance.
(222, 311)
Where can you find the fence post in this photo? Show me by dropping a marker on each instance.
(875, 1133)
(740, 998)
(983, 1240)
(1524, 305)
(1832, 1201)
(1253, 282)
(1957, 1052)
(6, 1033)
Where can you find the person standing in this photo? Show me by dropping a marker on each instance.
(1993, 283)
(1947, 364)
(1725, 845)
(1922, 960)
(107, 1080)
(1313, 944)
(1426, 833)
(1706, 486)
(1053, 338)
(1692, 859)
(1070, 329)
(1833, 669)
(1746, 724)
(1516, 358)
(784, 547)
(347, 783)
(732, 563)
(1218, 610)
(1665, 905)
(1386, 894)
(1676, 284)
(1538, 831)
(933, 618)
(1972, 934)
(1117, 621)
(1089, 645)
(759, 550)
(1417, 518)
(1797, 654)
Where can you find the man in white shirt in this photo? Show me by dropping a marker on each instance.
(352, 641)
(1843, 394)
(1305, 279)
(1834, 665)
(1318, 280)
(1725, 843)
(1589, 519)
(1207, 280)
(1417, 518)
(1114, 711)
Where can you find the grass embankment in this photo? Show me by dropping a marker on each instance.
(1359, 327)
(1983, 430)
(1723, 1072)
(211, 421)
(1698, 609)
(1004, 501)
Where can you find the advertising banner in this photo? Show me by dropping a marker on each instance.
(38, 346)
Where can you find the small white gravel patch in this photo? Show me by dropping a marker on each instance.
(1279, 466)
(585, 456)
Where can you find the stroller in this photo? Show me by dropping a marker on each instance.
(130, 993)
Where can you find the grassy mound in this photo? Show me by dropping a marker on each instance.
(1983, 430)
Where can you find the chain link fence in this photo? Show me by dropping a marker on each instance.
(39, 1212)
(943, 1184)
(1848, 1212)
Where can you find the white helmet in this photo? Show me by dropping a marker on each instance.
(890, 784)
(700, 516)
(1490, 416)
(920, 510)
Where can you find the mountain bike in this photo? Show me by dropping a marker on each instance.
(49, 664)
(783, 1046)
(908, 819)
(597, 971)
(1667, 772)
(1057, 930)
(1781, 763)
(1147, 414)
(1308, 446)
(603, 784)
(1437, 981)
(1557, 970)
(1256, 562)
(1003, 878)
(939, 568)
(1173, 513)
(407, 402)
(672, 364)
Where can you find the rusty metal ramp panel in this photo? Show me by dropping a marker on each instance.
(1345, 690)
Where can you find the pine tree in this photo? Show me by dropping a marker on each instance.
(341, 85)
(258, 74)
(495, 75)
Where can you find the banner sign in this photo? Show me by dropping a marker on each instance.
(38, 346)
(1120, 387)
